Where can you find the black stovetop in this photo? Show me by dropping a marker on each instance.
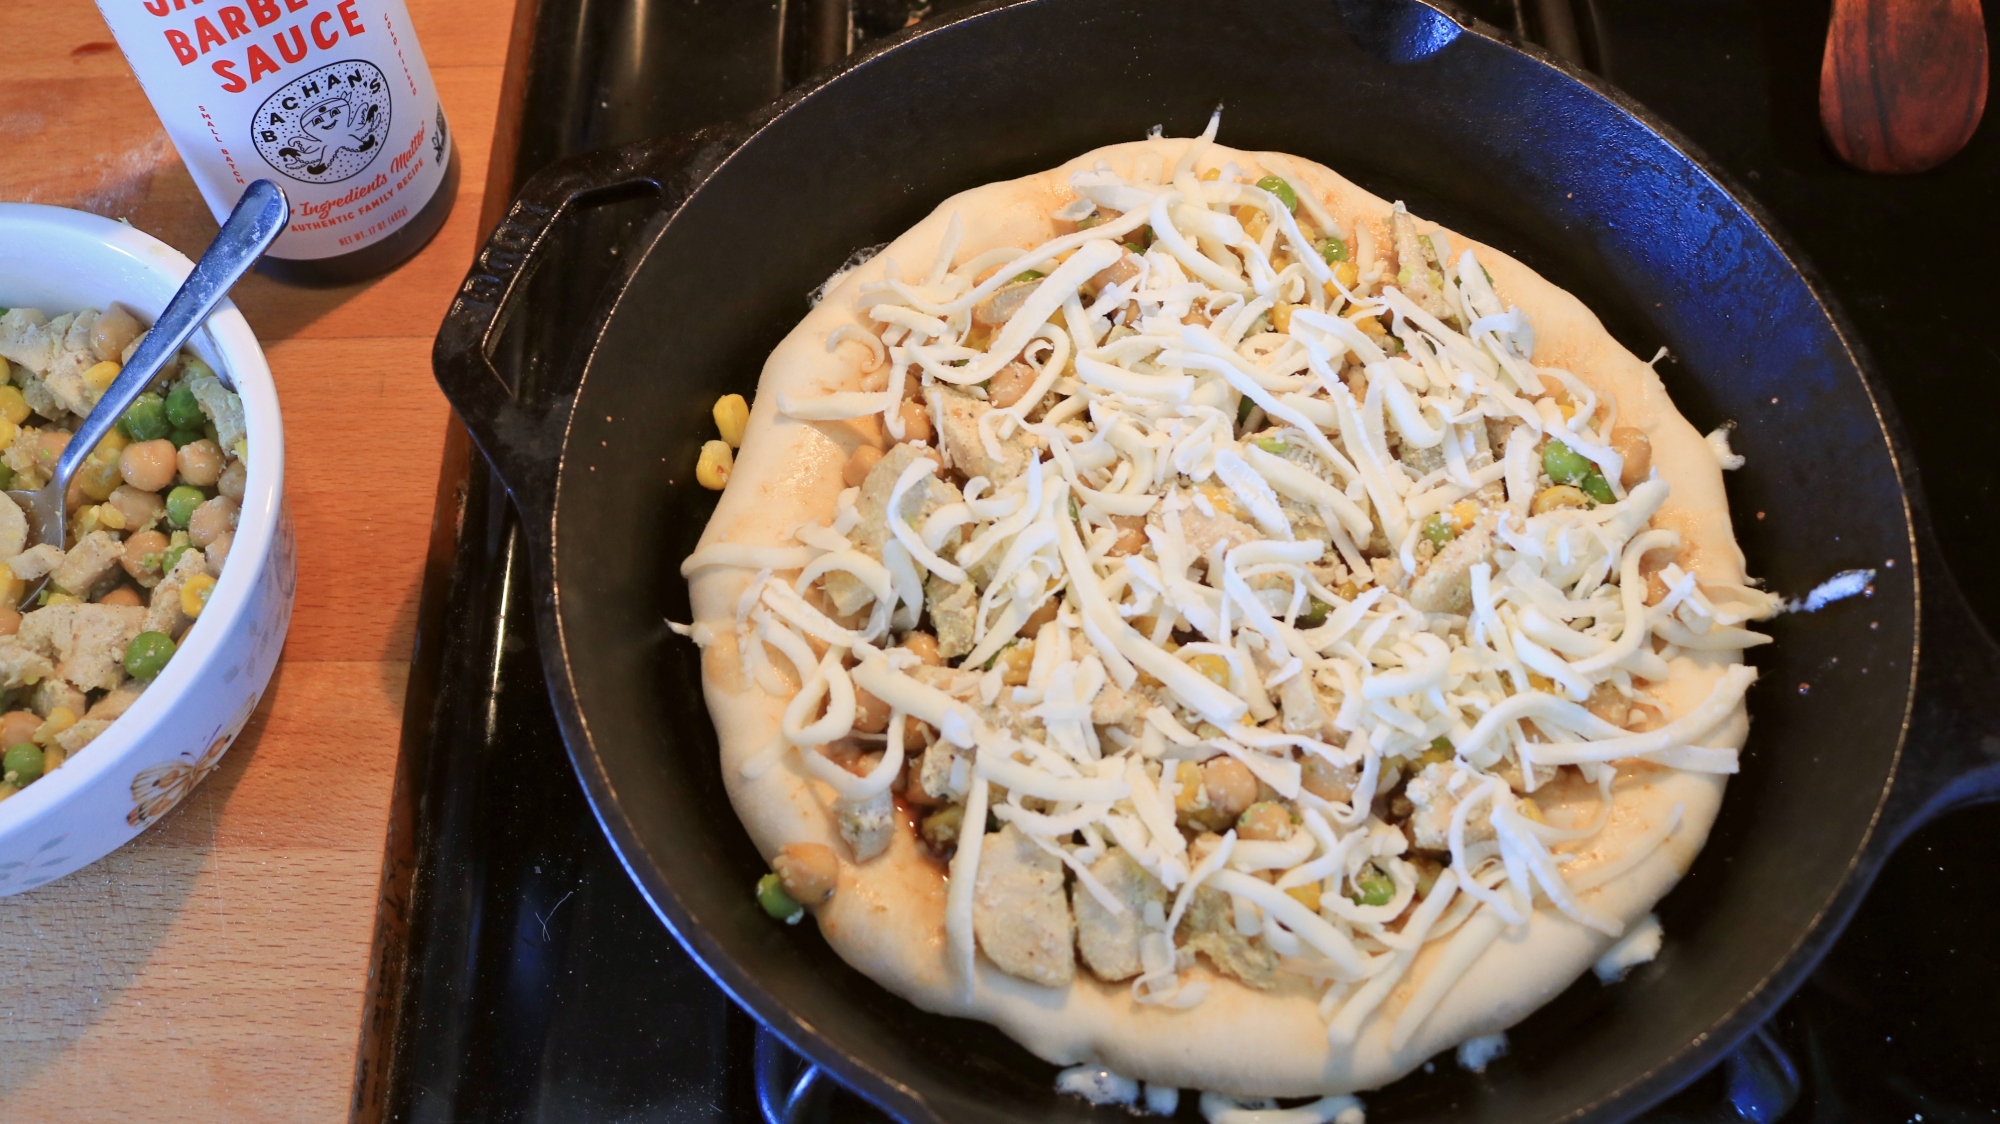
(522, 977)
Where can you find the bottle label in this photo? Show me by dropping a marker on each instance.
(329, 99)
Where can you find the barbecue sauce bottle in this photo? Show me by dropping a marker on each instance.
(329, 99)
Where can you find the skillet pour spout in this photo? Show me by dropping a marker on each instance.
(1483, 135)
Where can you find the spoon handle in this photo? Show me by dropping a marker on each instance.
(260, 216)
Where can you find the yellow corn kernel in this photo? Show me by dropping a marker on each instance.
(59, 719)
(195, 594)
(1306, 895)
(62, 599)
(1211, 175)
(1540, 682)
(1348, 590)
(1531, 809)
(1464, 513)
(87, 520)
(1281, 317)
(98, 477)
(12, 588)
(1255, 222)
(1368, 324)
(1348, 274)
(113, 444)
(100, 377)
(1212, 667)
(1188, 774)
(732, 417)
(1556, 498)
(110, 517)
(13, 404)
(8, 432)
(1209, 732)
(712, 470)
(1219, 496)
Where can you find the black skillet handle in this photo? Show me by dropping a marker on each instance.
(1951, 756)
(519, 423)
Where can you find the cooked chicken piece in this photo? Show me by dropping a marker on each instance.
(13, 529)
(1446, 585)
(1421, 461)
(164, 613)
(1209, 927)
(21, 665)
(1115, 706)
(35, 562)
(1203, 531)
(1004, 303)
(954, 614)
(934, 769)
(867, 825)
(1414, 268)
(82, 734)
(88, 562)
(963, 447)
(1389, 573)
(844, 590)
(1019, 913)
(52, 694)
(223, 408)
(1430, 823)
(1300, 704)
(118, 700)
(1110, 942)
(86, 641)
(27, 338)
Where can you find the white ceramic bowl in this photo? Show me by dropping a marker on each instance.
(59, 260)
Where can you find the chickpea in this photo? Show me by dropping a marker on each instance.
(1637, 449)
(10, 620)
(871, 715)
(232, 481)
(916, 422)
(138, 548)
(1265, 820)
(200, 463)
(855, 472)
(113, 333)
(1131, 534)
(1327, 780)
(138, 507)
(17, 726)
(123, 595)
(49, 446)
(216, 517)
(216, 555)
(1232, 788)
(810, 872)
(148, 465)
(1011, 384)
(926, 648)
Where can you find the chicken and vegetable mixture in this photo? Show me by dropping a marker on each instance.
(1230, 588)
(152, 516)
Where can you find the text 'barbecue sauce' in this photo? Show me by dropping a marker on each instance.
(329, 99)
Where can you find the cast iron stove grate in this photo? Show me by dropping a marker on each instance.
(519, 974)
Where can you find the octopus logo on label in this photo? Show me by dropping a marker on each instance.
(326, 125)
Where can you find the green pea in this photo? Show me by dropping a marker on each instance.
(776, 902)
(1030, 275)
(995, 657)
(1372, 887)
(146, 420)
(1596, 487)
(1333, 250)
(1282, 190)
(171, 557)
(1439, 530)
(1094, 218)
(1315, 614)
(184, 437)
(1243, 407)
(181, 503)
(6, 478)
(1271, 444)
(1424, 240)
(22, 763)
(147, 655)
(183, 411)
(1564, 464)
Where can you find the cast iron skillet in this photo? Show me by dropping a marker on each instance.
(1506, 145)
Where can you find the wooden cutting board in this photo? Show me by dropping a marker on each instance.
(214, 969)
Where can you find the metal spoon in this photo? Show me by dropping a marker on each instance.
(260, 216)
